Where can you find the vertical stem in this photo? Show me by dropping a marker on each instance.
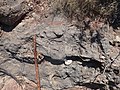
(36, 63)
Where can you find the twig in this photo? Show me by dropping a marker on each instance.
(107, 65)
(36, 63)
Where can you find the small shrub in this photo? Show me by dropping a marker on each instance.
(79, 9)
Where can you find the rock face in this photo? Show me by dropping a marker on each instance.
(95, 62)
(11, 84)
(12, 10)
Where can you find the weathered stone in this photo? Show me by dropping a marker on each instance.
(11, 84)
(11, 11)
(68, 62)
(57, 43)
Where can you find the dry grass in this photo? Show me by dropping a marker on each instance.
(79, 9)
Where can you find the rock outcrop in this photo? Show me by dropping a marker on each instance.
(95, 61)
(11, 11)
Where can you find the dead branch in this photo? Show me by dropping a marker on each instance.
(36, 63)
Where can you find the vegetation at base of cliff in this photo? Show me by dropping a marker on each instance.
(79, 9)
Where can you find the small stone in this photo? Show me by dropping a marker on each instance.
(80, 63)
(117, 39)
(42, 8)
(29, 4)
(68, 62)
(102, 57)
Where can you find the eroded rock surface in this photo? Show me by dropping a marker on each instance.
(11, 11)
(8, 83)
(95, 66)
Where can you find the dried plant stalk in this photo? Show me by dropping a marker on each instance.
(36, 63)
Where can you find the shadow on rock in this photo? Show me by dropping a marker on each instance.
(89, 63)
(95, 86)
(53, 61)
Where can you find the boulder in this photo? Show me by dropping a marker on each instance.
(11, 11)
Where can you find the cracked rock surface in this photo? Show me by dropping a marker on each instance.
(96, 62)
(11, 11)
